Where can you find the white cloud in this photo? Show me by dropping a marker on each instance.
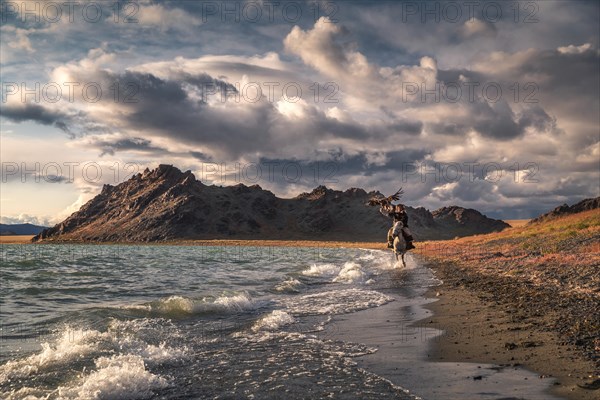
(367, 86)
(571, 49)
(20, 40)
(478, 28)
(166, 18)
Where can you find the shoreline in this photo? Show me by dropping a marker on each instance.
(16, 239)
(380, 245)
(403, 348)
(479, 329)
(26, 239)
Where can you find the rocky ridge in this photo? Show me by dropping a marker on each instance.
(168, 204)
(565, 209)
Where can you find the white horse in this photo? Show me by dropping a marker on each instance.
(399, 247)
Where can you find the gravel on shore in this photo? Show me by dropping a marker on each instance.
(543, 278)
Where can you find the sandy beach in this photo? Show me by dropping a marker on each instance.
(528, 295)
(480, 331)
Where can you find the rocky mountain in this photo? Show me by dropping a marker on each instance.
(167, 204)
(565, 209)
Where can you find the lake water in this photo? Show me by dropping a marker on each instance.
(202, 322)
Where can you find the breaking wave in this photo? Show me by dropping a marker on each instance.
(174, 306)
(121, 362)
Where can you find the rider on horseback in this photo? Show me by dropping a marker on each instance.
(398, 213)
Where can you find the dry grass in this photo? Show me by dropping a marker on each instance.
(550, 270)
(577, 231)
(15, 239)
(515, 223)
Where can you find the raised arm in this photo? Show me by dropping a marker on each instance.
(385, 210)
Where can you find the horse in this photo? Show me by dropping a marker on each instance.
(399, 246)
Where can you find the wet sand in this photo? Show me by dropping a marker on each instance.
(478, 331)
(406, 348)
(528, 295)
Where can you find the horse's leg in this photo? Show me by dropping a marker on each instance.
(403, 262)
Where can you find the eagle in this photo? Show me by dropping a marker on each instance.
(385, 201)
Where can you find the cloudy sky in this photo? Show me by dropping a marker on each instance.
(489, 105)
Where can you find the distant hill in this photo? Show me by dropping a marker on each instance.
(167, 204)
(565, 209)
(20, 229)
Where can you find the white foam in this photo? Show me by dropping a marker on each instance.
(117, 377)
(291, 285)
(125, 339)
(121, 376)
(25, 393)
(72, 343)
(326, 270)
(383, 260)
(335, 302)
(351, 273)
(369, 255)
(273, 321)
(238, 302)
(173, 304)
(178, 305)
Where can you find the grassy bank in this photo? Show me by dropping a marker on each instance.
(15, 239)
(544, 276)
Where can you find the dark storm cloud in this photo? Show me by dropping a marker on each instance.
(191, 121)
(385, 25)
(568, 83)
(448, 128)
(346, 165)
(536, 117)
(198, 110)
(124, 144)
(201, 156)
(497, 121)
(408, 127)
(36, 113)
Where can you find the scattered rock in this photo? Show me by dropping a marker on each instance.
(531, 344)
(510, 346)
(594, 385)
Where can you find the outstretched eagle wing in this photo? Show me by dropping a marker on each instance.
(384, 201)
(396, 196)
